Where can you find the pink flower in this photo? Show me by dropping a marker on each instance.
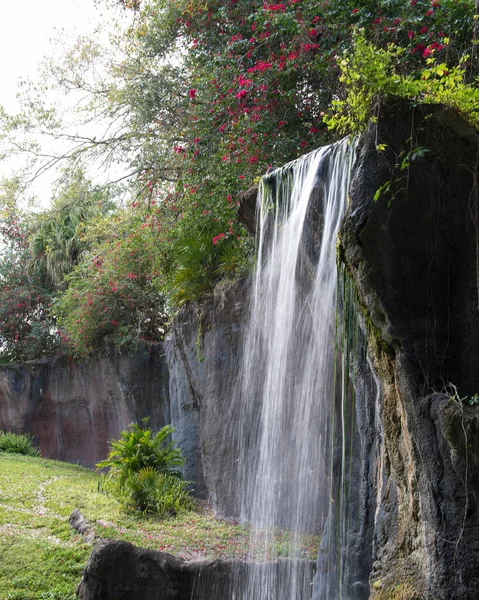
(192, 94)
(429, 12)
(217, 238)
(241, 94)
(113, 322)
(241, 176)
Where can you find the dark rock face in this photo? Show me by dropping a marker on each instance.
(413, 260)
(73, 411)
(120, 571)
(247, 209)
(203, 353)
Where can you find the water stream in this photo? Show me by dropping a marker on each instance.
(288, 377)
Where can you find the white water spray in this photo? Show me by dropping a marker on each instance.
(287, 377)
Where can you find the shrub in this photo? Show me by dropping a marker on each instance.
(15, 443)
(145, 471)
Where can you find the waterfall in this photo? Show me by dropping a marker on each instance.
(288, 376)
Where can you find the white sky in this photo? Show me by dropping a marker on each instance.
(26, 28)
(27, 31)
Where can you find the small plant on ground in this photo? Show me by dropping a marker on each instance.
(16, 443)
(145, 471)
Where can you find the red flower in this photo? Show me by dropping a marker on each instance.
(429, 12)
(413, 2)
(354, 11)
(376, 21)
(217, 238)
(423, 30)
(410, 34)
(192, 94)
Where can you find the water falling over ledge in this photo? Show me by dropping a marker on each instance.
(287, 378)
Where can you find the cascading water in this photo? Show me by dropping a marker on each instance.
(288, 377)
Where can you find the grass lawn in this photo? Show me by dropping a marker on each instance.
(42, 558)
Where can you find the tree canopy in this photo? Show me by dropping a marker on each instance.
(198, 99)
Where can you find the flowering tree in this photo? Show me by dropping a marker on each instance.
(26, 330)
(209, 94)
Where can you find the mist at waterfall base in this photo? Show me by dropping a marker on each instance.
(289, 377)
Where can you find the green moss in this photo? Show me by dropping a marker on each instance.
(376, 342)
(396, 591)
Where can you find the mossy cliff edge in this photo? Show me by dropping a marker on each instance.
(412, 254)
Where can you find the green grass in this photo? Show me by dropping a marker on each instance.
(42, 558)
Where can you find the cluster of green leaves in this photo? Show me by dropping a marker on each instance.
(17, 443)
(26, 328)
(371, 74)
(145, 471)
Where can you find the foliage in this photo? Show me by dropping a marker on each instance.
(116, 292)
(145, 471)
(150, 491)
(199, 99)
(16, 443)
(26, 329)
(140, 448)
(372, 74)
(58, 241)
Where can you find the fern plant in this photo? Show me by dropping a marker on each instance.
(140, 448)
(145, 471)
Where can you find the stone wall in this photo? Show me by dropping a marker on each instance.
(74, 410)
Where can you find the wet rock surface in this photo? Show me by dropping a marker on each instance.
(412, 256)
(119, 571)
(202, 353)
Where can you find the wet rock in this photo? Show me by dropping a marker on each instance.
(120, 571)
(413, 257)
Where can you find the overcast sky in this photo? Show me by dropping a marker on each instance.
(27, 31)
(26, 28)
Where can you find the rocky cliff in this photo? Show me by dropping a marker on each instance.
(203, 352)
(74, 410)
(413, 259)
